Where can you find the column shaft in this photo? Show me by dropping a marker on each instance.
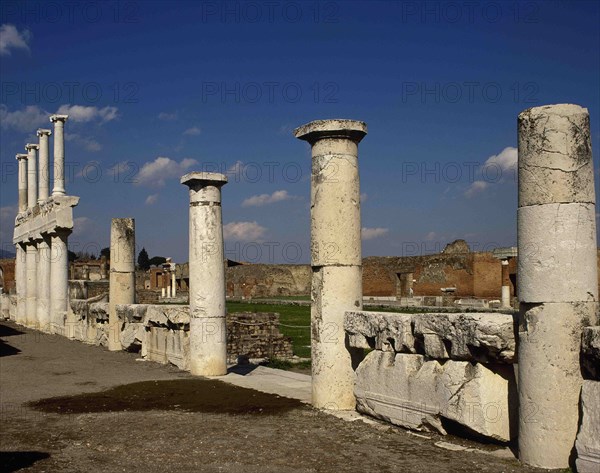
(122, 274)
(59, 281)
(558, 281)
(208, 332)
(335, 256)
(173, 284)
(505, 284)
(31, 315)
(32, 185)
(21, 283)
(22, 184)
(59, 154)
(43, 299)
(44, 170)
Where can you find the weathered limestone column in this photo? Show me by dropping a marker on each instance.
(21, 283)
(59, 153)
(208, 333)
(31, 265)
(59, 283)
(505, 284)
(103, 268)
(43, 285)
(122, 274)
(558, 281)
(335, 255)
(22, 184)
(44, 169)
(173, 283)
(32, 185)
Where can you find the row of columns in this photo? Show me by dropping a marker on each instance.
(41, 266)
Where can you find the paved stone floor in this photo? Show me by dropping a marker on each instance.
(70, 407)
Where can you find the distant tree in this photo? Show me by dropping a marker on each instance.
(157, 260)
(105, 252)
(72, 256)
(143, 260)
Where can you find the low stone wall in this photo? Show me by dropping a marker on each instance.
(160, 332)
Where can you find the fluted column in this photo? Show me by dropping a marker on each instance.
(31, 264)
(208, 331)
(21, 283)
(22, 184)
(335, 256)
(44, 169)
(43, 286)
(59, 153)
(32, 185)
(505, 284)
(59, 280)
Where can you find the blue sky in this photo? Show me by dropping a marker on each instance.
(157, 89)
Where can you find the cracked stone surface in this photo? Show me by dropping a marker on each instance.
(590, 353)
(483, 337)
(409, 391)
(555, 156)
(588, 437)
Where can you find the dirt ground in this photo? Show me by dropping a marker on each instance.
(70, 407)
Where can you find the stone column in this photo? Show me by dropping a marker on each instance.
(505, 284)
(31, 265)
(335, 255)
(22, 184)
(558, 281)
(103, 265)
(32, 185)
(59, 153)
(173, 283)
(43, 286)
(208, 334)
(44, 168)
(21, 283)
(59, 283)
(122, 274)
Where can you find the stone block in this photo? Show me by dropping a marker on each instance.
(588, 437)
(411, 392)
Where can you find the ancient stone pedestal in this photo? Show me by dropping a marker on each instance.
(335, 255)
(208, 332)
(558, 281)
(122, 274)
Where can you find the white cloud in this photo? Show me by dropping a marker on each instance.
(10, 38)
(89, 144)
(265, 199)
(370, 233)
(155, 173)
(84, 114)
(244, 231)
(26, 120)
(167, 116)
(506, 160)
(193, 131)
(152, 199)
(476, 188)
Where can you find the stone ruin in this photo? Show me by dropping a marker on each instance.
(532, 377)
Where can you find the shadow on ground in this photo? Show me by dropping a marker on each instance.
(192, 395)
(5, 348)
(15, 461)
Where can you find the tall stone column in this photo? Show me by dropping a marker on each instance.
(335, 255)
(59, 153)
(31, 265)
(22, 184)
(43, 285)
(505, 284)
(59, 283)
(208, 333)
(21, 283)
(122, 274)
(558, 281)
(32, 185)
(173, 283)
(44, 169)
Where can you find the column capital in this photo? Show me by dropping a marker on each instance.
(21, 156)
(30, 146)
(201, 179)
(335, 128)
(43, 131)
(504, 262)
(58, 118)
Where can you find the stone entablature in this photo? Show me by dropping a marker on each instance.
(52, 215)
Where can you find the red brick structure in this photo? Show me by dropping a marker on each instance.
(7, 275)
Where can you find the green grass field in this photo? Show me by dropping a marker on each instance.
(295, 322)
